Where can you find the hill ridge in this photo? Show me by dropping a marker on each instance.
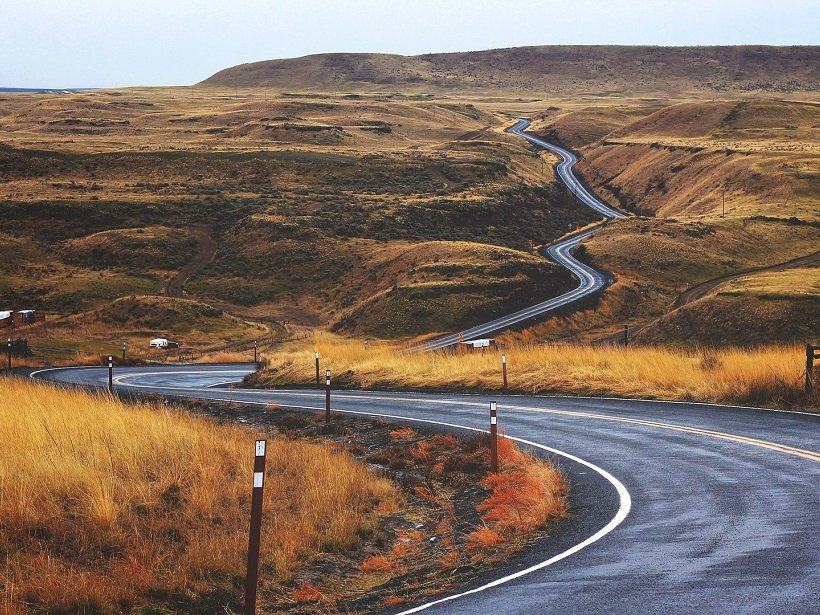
(605, 69)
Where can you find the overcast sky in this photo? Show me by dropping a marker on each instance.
(102, 43)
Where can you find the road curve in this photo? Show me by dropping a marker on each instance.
(719, 516)
(589, 280)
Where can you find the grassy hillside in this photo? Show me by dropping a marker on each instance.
(571, 70)
(310, 203)
(400, 213)
(109, 508)
(676, 165)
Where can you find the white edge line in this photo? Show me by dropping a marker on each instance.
(371, 392)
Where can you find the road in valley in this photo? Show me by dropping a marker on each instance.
(589, 280)
(677, 507)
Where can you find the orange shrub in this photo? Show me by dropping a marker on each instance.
(523, 499)
(307, 593)
(376, 563)
(403, 433)
(483, 538)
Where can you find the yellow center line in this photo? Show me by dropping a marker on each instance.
(772, 446)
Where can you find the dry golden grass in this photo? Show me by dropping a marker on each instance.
(762, 376)
(102, 504)
(801, 282)
(225, 357)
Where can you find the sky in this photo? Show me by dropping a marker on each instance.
(117, 43)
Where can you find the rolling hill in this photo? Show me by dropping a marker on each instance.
(553, 70)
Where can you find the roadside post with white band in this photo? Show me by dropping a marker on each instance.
(493, 438)
(254, 538)
(110, 374)
(318, 383)
(504, 372)
(327, 395)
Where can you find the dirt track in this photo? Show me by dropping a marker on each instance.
(701, 290)
(206, 250)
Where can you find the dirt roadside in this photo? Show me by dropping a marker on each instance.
(416, 552)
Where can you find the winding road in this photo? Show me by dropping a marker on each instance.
(677, 507)
(589, 280)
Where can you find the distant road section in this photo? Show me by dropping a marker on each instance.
(590, 280)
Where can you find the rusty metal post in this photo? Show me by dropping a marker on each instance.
(110, 374)
(327, 395)
(493, 438)
(317, 369)
(504, 371)
(255, 533)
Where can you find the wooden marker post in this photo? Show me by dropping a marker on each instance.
(317, 369)
(504, 372)
(327, 395)
(254, 352)
(810, 357)
(110, 374)
(493, 438)
(255, 533)
(626, 335)
(124, 347)
(9, 353)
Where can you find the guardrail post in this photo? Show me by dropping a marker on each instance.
(317, 369)
(255, 533)
(504, 372)
(493, 438)
(110, 374)
(327, 396)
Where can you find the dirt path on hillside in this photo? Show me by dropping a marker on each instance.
(701, 290)
(206, 250)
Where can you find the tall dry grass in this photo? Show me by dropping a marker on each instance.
(104, 504)
(762, 376)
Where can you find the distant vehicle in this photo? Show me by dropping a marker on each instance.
(161, 342)
(26, 316)
(485, 343)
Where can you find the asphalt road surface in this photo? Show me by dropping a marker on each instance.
(589, 280)
(678, 507)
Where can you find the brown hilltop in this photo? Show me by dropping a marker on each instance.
(576, 69)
